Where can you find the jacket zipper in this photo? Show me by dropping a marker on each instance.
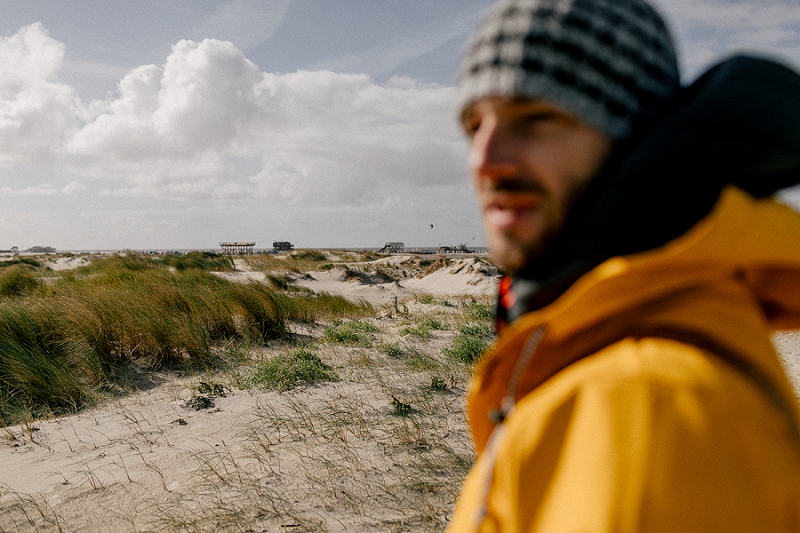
(498, 416)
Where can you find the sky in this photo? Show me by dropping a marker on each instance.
(328, 123)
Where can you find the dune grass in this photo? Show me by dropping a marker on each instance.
(297, 261)
(65, 338)
(289, 370)
(377, 443)
(208, 261)
(17, 280)
(353, 333)
(470, 343)
(31, 261)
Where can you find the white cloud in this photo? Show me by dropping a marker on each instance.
(306, 136)
(36, 112)
(73, 188)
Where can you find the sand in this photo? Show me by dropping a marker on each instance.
(325, 457)
(68, 262)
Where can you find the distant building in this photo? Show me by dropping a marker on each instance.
(237, 248)
(392, 248)
(458, 249)
(41, 250)
(282, 246)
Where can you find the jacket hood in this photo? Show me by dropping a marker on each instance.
(724, 285)
(738, 124)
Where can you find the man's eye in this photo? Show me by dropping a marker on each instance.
(538, 117)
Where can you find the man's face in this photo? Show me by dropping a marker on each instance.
(529, 161)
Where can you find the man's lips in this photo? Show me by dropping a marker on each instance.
(504, 211)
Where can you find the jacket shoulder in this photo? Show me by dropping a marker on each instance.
(647, 435)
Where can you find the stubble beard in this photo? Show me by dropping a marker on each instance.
(514, 253)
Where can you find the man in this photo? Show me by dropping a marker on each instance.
(633, 386)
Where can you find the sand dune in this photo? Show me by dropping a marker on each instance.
(324, 457)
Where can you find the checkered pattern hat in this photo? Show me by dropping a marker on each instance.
(609, 62)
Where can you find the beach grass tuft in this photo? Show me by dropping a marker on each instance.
(292, 369)
(18, 280)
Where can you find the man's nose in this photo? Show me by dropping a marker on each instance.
(492, 152)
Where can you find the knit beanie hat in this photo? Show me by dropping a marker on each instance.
(608, 62)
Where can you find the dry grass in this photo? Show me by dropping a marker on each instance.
(352, 421)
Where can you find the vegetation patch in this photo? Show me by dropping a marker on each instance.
(392, 349)
(401, 408)
(473, 337)
(440, 384)
(30, 261)
(279, 282)
(481, 311)
(466, 348)
(425, 298)
(288, 371)
(476, 329)
(433, 323)
(207, 261)
(421, 362)
(212, 389)
(420, 332)
(17, 281)
(308, 255)
(200, 402)
(354, 333)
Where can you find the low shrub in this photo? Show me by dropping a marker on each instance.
(480, 311)
(421, 331)
(354, 333)
(470, 343)
(401, 408)
(476, 329)
(433, 323)
(466, 348)
(392, 349)
(288, 371)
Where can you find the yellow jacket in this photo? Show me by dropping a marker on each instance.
(649, 397)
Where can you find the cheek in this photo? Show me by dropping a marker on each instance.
(588, 153)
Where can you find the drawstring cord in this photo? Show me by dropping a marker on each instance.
(489, 458)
